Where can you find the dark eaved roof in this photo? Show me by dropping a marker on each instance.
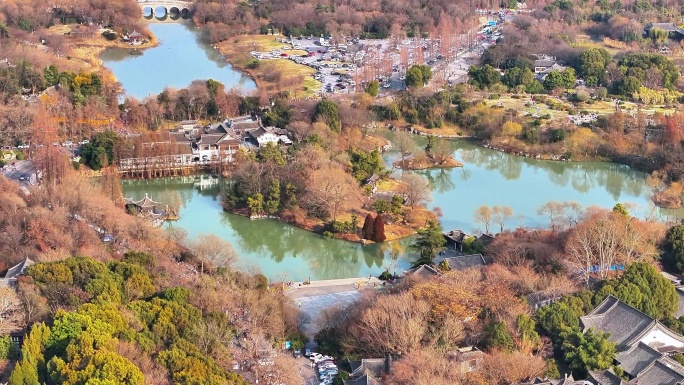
(467, 261)
(146, 202)
(541, 296)
(373, 178)
(638, 358)
(664, 371)
(605, 377)
(19, 269)
(211, 138)
(373, 366)
(363, 380)
(257, 132)
(245, 123)
(670, 27)
(218, 128)
(455, 235)
(423, 271)
(620, 320)
(544, 63)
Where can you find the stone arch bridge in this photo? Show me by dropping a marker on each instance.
(173, 8)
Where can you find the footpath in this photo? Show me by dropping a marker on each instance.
(330, 286)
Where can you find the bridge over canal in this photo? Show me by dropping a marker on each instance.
(174, 9)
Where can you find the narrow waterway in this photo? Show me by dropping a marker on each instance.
(488, 177)
(276, 249)
(183, 55)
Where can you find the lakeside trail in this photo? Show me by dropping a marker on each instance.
(331, 286)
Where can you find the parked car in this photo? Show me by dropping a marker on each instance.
(321, 358)
(315, 356)
(327, 374)
(296, 353)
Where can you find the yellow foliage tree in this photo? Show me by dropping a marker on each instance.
(511, 129)
(444, 299)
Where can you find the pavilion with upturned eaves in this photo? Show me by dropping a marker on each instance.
(143, 206)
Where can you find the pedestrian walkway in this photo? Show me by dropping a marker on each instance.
(330, 286)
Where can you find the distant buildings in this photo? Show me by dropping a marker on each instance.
(673, 32)
(193, 147)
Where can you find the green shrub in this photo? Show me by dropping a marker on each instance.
(109, 35)
(252, 64)
(76, 165)
(8, 349)
(20, 155)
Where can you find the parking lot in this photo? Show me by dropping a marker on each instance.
(347, 65)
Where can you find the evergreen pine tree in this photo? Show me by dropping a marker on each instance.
(379, 229)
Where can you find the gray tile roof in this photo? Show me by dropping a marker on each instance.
(423, 272)
(664, 371)
(467, 261)
(618, 319)
(638, 358)
(210, 138)
(373, 366)
(455, 235)
(605, 377)
(19, 269)
(544, 63)
(363, 380)
(670, 27)
(680, 303)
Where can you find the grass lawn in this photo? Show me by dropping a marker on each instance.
(519, 105)
(585, 42)
(387, 185)
(448, 130)
(608, 107)
(261, 43)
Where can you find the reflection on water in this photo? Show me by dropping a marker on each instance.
(181, 57)
(277, 249)
(495, 178)
(488, 178)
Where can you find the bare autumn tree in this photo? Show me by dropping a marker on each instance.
(555, 211)
(441, 152)
(483, 215)
(284, 370)
(500, 215)
(300, 130)
(396, 324)
(416, 189)
(214, 250)
(331, 187)
(423, 367)
(11, 312)
(606, 238)
(405, 144)
(509, 368)
(34, 305)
